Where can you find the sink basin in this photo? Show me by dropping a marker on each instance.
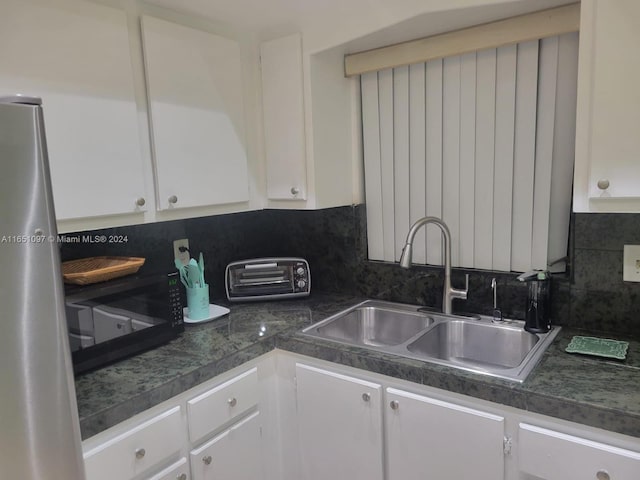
(374, 324)
(502, 349)
(475, 343)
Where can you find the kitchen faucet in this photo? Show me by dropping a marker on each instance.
(448, 292)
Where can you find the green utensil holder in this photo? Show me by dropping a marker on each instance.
(198, 302)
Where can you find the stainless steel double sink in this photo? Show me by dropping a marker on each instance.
(475, 343)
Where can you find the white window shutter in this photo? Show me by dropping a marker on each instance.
(483, 140)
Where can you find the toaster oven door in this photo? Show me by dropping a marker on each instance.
(260, 279)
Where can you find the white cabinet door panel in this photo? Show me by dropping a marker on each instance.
(76, 57)
(283, 113)
(608, 118)
(339, 426)
(194, 85)
(615, 116)
(432, 439)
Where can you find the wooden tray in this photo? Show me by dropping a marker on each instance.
(86, 271)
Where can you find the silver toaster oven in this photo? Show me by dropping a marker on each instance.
(267, 278)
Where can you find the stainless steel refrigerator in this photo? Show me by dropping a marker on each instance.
(39, 428)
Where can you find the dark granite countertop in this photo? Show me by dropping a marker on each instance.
(591, 391)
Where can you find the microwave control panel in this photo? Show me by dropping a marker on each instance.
(175, 299)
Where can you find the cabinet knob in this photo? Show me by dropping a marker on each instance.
(366, 397)
(602, 475)
(182, 476)
(207, 460)
(173, 199)
(140, 453)
(140, 201)
(232, 402)
(394, 404)
(295, 191)
(603, 184)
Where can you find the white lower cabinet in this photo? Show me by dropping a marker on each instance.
(137, 449)
(281, 419)
(429, 438)
(347, 429)
(210, 410)
(550, 455)
(340, 430)
(216, 425)
(339, 426)
(228, 411)
(235, 454)
(176, 471)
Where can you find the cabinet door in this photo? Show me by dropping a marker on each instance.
(194, 86)
(339, 426)
(608, 121)
(235, 454)
(283, 112)
(75, 56)
(432, 439)
(545, 454)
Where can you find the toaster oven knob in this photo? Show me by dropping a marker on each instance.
(301, 283)
(300, 271)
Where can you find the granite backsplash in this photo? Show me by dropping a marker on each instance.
(592, 295)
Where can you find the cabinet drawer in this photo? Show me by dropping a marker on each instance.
(557, 456)
(214, 408)
(177, 471)
(137, 449)
(234, 454)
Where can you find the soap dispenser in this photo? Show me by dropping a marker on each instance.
(537, 315)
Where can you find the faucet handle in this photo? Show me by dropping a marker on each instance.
(461, 293)
(497, 313)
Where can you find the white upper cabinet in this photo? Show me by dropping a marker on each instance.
(283, 114)
(607, 168)
(310, 114)
(75, 56)
(194, 86)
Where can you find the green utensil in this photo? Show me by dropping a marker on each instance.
(181, 269)
(193, 274)
(201, 267)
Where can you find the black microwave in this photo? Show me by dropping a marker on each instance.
(115, 319)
